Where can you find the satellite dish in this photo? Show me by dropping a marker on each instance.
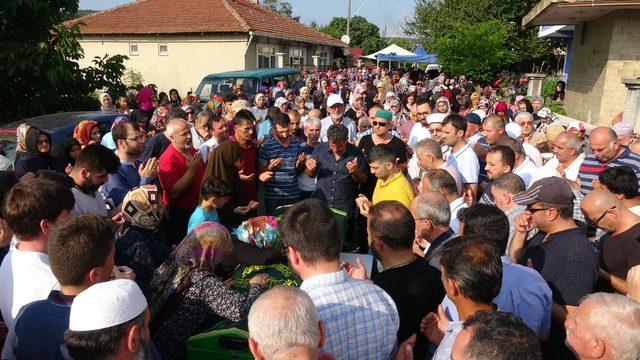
(345, 39)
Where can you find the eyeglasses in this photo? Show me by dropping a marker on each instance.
(379, 123)
(533, 211)
(595, 222)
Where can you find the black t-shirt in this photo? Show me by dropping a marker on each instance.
(416, 290)
(567, 262)
(621, 252)
(155, 147)
(365, 145)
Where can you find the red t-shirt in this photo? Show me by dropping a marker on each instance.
(248, 166)
(173, 165)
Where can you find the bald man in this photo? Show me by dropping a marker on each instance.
(180, 175)
(620, 246)
(606, 152)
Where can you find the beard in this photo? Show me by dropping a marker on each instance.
(144, 353)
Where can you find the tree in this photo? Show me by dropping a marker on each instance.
(363, 34)
(39, 71)
(281, 7)
(438, 19)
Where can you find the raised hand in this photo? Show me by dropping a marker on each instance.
(244, 177)
(432, 326)
(194, 161)
(524, 223)
(266, 176)
(311, 164)
(352, 165)
(149, 169)
(274, 163)
(358, 272)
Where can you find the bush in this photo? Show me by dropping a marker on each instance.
(557, 109)
(549, 86)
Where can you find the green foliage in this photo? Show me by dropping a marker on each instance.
(363, 34)
(475, 50)
(437, 19)
(557, 109)
(132, 78)
(549, 86)
(404, 43)
(39, 71)
(282, 7)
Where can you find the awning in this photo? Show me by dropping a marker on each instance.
(391, 49)
(420, 57)
(573, 12)
(556, 31)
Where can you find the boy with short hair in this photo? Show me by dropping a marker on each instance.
(81, 253)
(214, 195)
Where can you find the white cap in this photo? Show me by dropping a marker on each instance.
(435, 118)
(281, 100)
(334, 99)
(391, 94)
(513, 130)
(106, 304)
(480, 113)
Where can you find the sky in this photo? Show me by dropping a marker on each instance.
(389, 13)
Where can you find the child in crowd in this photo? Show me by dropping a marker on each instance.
(214, 194)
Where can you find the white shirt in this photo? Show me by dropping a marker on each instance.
(418, 133)
(455, 206)
(551, 169)
(474, 138)
(207, 147)
(87, 204)
(533, 153)
(635, 210)
(466, 161)
(526, 170)
(348, 123)
(196, 139)
(25, 277)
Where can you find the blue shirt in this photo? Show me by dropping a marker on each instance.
(335, 185)
(201, 215)
(284, 183)
(361, 319)
(264, 129)
(524, 293)
(40, 326)
(124, 180)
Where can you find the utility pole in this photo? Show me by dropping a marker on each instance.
(348, 16)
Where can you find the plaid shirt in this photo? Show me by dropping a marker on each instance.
(361, 319)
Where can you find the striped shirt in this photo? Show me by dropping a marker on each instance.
(361, 319)
(284, 184)
(592, 167)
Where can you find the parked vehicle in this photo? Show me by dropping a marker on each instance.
(251, 80)
(59, 125)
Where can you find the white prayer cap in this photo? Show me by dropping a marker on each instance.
(106, 304)
(513, 130)
(436, 118)
(334, 99)
(480, 113)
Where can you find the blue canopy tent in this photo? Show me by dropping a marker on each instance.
(420, 57)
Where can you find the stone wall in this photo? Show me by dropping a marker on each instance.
(605, 50)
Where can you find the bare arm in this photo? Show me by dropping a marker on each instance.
(181, 185)
(617, 283)
(473, 188)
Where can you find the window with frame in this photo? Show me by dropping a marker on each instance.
(323, 58)
(266, 56)
(296, 57)
(133, 49)
(163, 49)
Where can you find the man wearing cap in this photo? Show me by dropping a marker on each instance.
(435, 130)
(560, 251)
(625, 134)
(606, 152)
(474, 125)
(109, 320)
(335, 108)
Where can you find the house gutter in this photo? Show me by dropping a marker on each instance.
(246, 48)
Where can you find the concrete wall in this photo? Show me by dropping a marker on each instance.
(187, 61)
(605, 50)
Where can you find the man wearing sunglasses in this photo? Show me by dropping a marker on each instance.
(620, 249)
(560, 251)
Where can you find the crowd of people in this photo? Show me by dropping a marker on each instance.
(496, 230)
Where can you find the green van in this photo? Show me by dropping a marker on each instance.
(251, 80)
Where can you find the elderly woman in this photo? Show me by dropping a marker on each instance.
(87, 132)
(186, 293)
(21, 140)
(38, 154)
(137, 245)
(106, 103)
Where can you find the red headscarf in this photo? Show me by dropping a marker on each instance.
(82, 132)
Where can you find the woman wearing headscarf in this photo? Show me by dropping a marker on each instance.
(259, 108)
(68, 151)
(106, 103)
(137, 245)
(38, 154)
(186, 293)
(107, 139)
(558, 94)
(222, 164)
(443, 106)
(21, 141)
(502, 110)
(87, 132)
(145, 100)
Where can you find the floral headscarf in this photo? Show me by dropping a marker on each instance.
(158, 120)
(145, 98)
(201, 250)
(261, 231)
(140, 207)
(21, 137)
(82, 132)
(215, 105)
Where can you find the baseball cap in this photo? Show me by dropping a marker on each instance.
(383, 114)
(552, 190)
(473, 118)
(334, 99)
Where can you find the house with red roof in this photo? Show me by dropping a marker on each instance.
(175, 43)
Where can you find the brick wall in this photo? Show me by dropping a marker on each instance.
(607, 50)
